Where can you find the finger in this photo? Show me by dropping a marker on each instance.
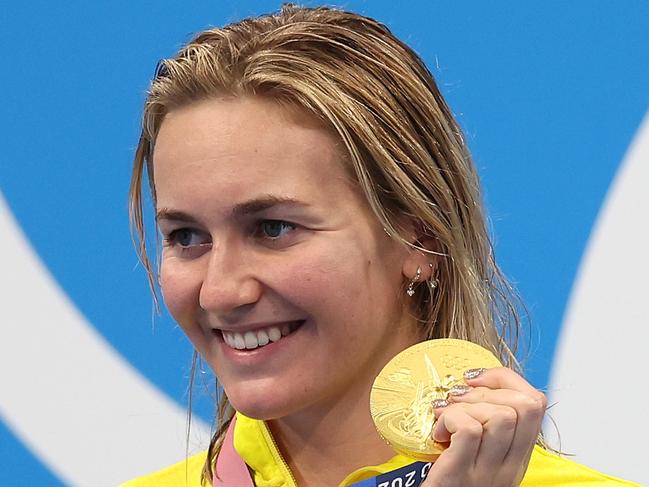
(464, 432)
(500, 378)
(529, 410)
(498, 431)
(530, 419)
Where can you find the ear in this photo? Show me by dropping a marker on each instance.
(416, 259)
(423, 255)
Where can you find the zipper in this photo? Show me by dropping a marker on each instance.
(277, 455)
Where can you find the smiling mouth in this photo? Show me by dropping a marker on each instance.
(253, 339)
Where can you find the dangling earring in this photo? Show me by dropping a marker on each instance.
(411, 287)
(433, 283)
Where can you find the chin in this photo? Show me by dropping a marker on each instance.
(260, 403)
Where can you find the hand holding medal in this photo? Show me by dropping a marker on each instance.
(451, 402)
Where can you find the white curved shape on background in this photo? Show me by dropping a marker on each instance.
(601, 364)
(66, 393)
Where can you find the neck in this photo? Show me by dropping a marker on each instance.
(323, 444)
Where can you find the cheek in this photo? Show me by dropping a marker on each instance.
(331, 284)
(179, 291)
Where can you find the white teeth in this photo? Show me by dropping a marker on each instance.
(254, 339)
(238, 341)
(262, 338)
(274, 334)
(251, 340)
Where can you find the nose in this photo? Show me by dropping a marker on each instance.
(229, 282)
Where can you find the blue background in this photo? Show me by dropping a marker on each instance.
(549, 93)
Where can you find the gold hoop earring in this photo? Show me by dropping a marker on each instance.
(411, 286)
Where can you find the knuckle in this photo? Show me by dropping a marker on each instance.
(535, 400)
(508, 418)
(472, 430)
(542, 400)
(535, 405)
(538, 402)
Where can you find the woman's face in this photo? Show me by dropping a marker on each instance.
(273, 264)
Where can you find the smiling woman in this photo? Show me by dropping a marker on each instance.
(238, 277)
(320, 213)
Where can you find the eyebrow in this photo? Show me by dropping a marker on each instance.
(251, 207)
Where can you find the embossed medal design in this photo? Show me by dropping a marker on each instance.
(401, 397)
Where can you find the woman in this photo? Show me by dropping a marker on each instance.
(320, 213)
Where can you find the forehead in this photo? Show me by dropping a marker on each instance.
(236, 146)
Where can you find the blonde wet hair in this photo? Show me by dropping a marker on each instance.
(402, 145)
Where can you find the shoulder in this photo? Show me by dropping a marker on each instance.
(186, 473)
(548, 469)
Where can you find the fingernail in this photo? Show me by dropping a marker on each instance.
(439, 403)
(459, 390)
(473, 373)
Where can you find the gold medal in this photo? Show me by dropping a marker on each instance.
(403, 392)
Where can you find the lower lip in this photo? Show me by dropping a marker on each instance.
(252, 356)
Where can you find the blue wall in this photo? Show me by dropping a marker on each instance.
(549, 93)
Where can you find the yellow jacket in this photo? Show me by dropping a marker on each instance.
(254, 443)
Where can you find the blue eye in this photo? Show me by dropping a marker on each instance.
(186, 237)
(274, 229)
(182, 237)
